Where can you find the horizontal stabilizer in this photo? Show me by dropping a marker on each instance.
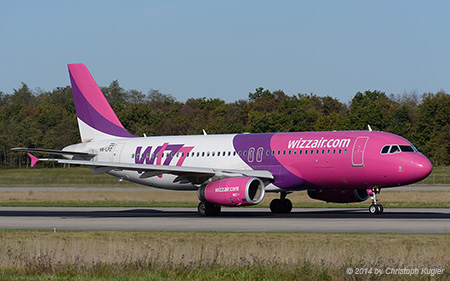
(34, 159)
(53, 151)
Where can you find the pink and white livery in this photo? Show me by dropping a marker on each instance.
(237, 169)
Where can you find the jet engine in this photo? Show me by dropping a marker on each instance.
(339, 195)
(242, 191)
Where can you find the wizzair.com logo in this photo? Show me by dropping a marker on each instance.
(227, 189)
(318, 143)
(166, 152)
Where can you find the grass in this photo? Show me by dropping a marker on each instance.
(111, 255)
(57, 177)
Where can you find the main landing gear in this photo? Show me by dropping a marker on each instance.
(282, 205)
(375, 209)
(207, 209)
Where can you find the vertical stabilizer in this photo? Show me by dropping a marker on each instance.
(96, 118)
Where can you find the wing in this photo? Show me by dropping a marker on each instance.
(195, 175)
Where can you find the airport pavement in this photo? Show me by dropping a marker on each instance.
(231, 219)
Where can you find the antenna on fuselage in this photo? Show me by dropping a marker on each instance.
(370, 129)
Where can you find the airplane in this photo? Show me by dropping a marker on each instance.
(237, 169)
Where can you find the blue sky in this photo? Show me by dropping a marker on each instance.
(227, 49)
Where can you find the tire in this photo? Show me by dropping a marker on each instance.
(202, 209)
(286, 206)
(207, 209)
(275, 206)
(380, 209)
(373, 209)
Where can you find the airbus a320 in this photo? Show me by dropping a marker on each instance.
(238, 169)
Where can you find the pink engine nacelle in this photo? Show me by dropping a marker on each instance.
(339, 195)
(233, 192)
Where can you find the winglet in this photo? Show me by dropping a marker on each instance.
(34, 159)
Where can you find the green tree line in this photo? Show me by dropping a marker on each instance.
(48, 119)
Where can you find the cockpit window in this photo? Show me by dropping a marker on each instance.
(394, 148)
(406, 148)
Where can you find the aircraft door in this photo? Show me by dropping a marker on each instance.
(358, 151)
(116, 152)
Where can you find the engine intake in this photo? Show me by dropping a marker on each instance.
(339, 195)
(233, 192)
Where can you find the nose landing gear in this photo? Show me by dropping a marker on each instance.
(282, 205)
(375, 209)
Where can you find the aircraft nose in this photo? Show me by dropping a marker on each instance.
(422, 167)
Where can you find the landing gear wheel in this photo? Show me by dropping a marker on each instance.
(373, 209)
(380, 209)
(275, 206)
(287, 206)
(278, 206)
(207, 209)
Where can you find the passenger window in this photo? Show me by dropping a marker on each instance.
(299, 152)
(259, 154)
(251, 154)
(306, 151)
(295, 152)
(267, 153)
(385, 149)
(340, 150)
(394, 149)
(345, 151)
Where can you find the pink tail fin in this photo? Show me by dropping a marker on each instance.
(96, 118)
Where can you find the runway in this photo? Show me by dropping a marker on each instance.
(231, 219)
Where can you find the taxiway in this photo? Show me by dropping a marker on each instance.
(343, 220)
